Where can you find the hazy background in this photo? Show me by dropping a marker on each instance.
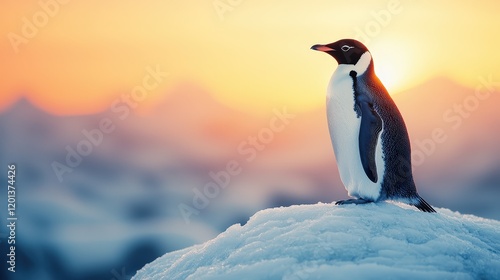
(230, 65)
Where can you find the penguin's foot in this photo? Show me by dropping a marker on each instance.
(352, 201)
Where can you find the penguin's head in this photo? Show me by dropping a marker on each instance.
(345, 51)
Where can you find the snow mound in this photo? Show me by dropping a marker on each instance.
(324, 241)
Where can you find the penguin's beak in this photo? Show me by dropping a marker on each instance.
(321, 48)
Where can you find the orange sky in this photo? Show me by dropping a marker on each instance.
(252, 56)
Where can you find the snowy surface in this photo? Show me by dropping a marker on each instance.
(324, 241)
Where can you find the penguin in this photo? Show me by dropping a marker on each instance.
(367, 131)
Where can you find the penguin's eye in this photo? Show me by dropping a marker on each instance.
(346, 48)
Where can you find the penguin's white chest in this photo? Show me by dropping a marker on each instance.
(344, 126)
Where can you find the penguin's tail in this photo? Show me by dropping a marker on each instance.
(422, 205)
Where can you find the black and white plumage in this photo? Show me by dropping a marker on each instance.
(367, 130)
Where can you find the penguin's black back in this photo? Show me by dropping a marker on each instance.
(397, 182)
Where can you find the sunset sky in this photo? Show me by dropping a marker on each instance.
(251, 55)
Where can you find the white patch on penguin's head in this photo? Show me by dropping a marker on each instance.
(363, 63)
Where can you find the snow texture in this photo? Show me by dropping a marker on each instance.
(324, 241)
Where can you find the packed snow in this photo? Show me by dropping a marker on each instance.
(324, 241)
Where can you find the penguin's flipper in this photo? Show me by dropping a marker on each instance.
(371, 125)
